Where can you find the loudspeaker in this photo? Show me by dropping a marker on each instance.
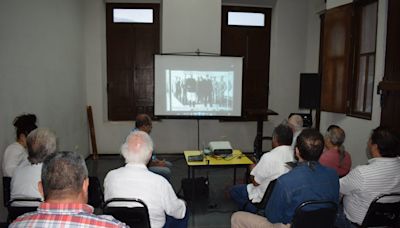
(310, 91)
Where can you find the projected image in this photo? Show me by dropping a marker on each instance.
(199, 91)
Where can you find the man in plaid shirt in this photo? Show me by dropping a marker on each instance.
(64, 185)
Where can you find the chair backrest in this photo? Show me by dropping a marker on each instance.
(383, 214)
(6, 190)
(15, 211)
(316, 214)
(263, 203)
(95, 193)
(137, 216)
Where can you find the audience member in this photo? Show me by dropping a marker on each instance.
(365, 182)
(271, 166)
(40, 142)
(307, 181)
(64, 186)
(296, 123)
(134, 180)
(16, 152)
(161, 167)
(334, 155)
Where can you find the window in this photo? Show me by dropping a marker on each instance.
(133, 15)
(348, 58)
(245, 31)
(132, 33)
(364, 54)
(246, 19)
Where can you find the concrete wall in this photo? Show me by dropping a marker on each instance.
(358, 130)
(41, 70)
(184, 29)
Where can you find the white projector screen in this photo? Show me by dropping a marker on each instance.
(197, 86)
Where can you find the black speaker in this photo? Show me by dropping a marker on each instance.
(310, 91)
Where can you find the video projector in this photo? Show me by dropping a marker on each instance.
(220, 148)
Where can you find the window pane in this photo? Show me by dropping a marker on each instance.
(370, 81)
(361, 84)
(368, 28)
(133, 16)
(246, 19)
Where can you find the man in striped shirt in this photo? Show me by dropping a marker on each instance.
(365, 182)
(64, 185)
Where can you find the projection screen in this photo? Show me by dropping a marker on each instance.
(197, 86)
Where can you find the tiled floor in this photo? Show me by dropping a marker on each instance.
(214, 212)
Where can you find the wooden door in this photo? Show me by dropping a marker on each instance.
(389, 87)
(253, 43)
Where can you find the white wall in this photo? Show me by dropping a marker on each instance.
(41, 70)
(186, 26)
(358, 130)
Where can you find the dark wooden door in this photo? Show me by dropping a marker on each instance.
(389, 87)
(336, 58)
(253, 43)
(130, 63)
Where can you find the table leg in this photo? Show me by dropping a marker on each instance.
(188, 172)
(234, 175)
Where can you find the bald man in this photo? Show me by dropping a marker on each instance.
(296, 123)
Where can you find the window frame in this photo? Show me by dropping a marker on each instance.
(354, 81)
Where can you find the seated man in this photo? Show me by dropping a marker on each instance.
(161, 167)
(134, 180)
(271, 166)
(296, 123)
(41, 143)
(307, 181)
(365, 182)
(64, 185)
(334, 155)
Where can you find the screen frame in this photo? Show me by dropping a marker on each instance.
(215, 117)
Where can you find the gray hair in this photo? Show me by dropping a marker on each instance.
(41, 142)
(63, 174)
(137, 148)
(336, 136)
(296, 122)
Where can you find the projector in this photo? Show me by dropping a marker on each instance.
(220, 148)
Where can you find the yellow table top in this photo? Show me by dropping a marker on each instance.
(237, 158)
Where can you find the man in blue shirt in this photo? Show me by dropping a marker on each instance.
(307, 181)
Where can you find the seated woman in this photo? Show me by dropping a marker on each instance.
(16, 152)
(334, 155)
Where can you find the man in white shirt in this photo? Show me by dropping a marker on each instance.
(134, 180)
(296, 123)
(271, 166)
(365, 182)
(24, 182)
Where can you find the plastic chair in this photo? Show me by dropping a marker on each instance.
(15, 211)
(383, 214)
(134, 216)
(95, 193)
(6, 190)
(316, 214)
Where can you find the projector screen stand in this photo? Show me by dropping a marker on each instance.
(261, 115)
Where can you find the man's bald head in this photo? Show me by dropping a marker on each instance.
(295, 122)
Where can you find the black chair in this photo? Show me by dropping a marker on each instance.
(263, 203)
(316, 214)
(135, 216)
(6, 190)
(15, 211)
(383, 214)
(95, 193)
